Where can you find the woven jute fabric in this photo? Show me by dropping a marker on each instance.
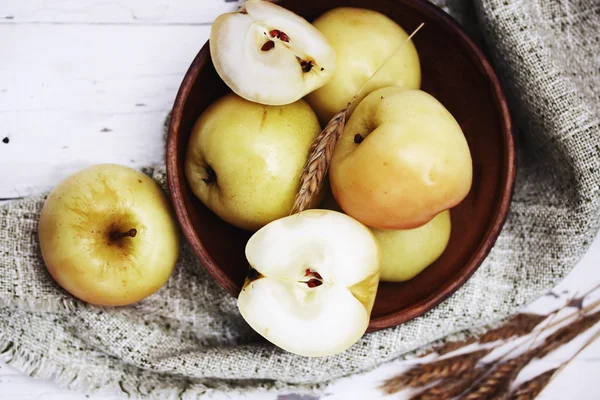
(189, 338)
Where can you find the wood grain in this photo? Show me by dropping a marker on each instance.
(136, 12)
(578, 381)
(65, 107)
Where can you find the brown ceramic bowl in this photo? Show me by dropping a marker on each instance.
(457, 73)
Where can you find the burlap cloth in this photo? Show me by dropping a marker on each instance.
(189, 339)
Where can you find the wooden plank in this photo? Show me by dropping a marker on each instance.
(87, 81)
(161, 12)
(71, 96)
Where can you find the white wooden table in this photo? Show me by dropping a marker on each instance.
(89, 81)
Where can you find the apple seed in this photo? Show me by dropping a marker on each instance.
(283, 37)
(314, 283)
(317, 279)
(279, 35)
(268, 46)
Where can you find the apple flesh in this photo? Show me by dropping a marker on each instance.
(406, 253)
(270, 55)
(244, 160)
(313, 282)
(401, 160)
(108, 236)
(363, 40)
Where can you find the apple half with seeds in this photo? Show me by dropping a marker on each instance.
(312, 282)
(269, 55)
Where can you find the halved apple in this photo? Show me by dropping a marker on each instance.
(269, 55)
(312, 282)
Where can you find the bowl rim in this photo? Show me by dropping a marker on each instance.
(175, 181)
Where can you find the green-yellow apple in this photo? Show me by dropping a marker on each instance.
(108, 235)
(407, 252)
(270, 55)
(401, 160)
(363, 40)
(312, 282)
(244, 160)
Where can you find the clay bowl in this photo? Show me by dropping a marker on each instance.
(457, 73)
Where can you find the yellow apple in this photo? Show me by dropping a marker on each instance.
(405, 253)
(363, 40)
(108, 236)
(401, 160)
(244, 160)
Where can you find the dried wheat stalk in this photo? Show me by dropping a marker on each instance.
(319, 158)
(519, 325)
(567, 333)
(459, 376)
(532, 388)
(451, 386)
(424, 374)
(496, 385)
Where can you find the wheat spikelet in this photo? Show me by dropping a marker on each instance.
(532, 388)
(567, 333)
(317, 164)
(459, 377)
(496, 385)
(519, 325)
(423, 374)
(452, 386)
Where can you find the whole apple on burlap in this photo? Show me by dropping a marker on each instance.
(108, 236)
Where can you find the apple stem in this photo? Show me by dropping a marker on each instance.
(120, 235)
